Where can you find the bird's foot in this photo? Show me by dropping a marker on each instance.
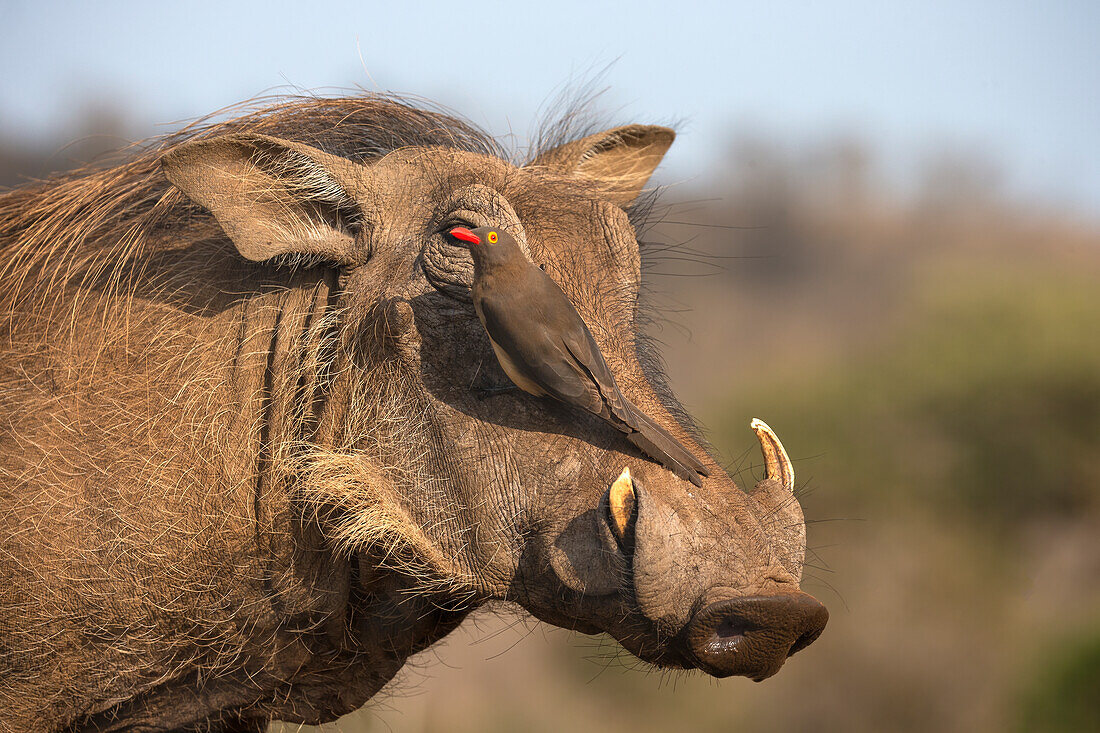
(485, 393)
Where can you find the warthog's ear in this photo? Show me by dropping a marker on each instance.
(273, 197)
(622, 159)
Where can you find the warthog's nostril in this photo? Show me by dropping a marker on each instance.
(804, 641)
(726, 637)
(754, 636)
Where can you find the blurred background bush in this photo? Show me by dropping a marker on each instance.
(909, 295)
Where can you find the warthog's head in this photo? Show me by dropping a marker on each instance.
(417, 460)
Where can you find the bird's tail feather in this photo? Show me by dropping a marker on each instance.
(655, 442)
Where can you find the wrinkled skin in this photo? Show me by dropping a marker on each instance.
(272, 539)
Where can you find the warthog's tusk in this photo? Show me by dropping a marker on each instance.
(776, 463)
(621, 503)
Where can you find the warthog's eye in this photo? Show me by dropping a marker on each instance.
(456, 219)
(446, 263)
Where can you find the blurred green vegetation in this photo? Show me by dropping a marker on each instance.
(985, 400)
(1064, 697)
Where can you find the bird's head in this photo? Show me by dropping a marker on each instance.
(486, 243)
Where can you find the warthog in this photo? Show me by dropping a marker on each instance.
(255, 453)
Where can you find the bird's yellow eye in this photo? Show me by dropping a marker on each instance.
(492, 237)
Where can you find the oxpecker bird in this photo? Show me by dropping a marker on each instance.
(546, 349)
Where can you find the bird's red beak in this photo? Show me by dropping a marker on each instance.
(465, 235)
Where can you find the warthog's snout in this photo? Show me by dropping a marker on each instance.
(754, 636)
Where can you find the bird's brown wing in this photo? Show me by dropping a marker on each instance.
(545, 337)
(519, 328)
(654, 441)
(651, 438)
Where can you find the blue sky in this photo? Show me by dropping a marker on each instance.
(1018, 82)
